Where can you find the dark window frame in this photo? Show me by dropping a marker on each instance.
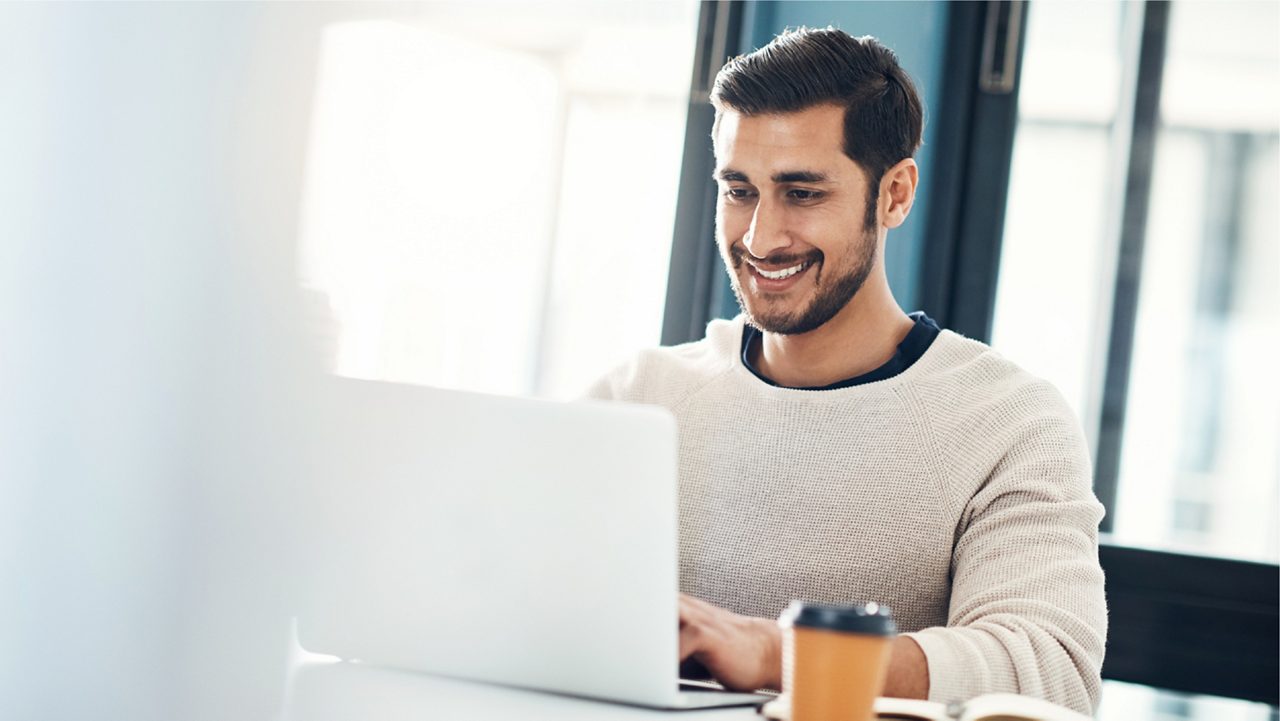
(695, 283)
(1191, 623)
(974, 151)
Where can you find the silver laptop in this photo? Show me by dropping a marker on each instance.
(522, 542)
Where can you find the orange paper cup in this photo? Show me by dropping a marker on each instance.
(834, 659)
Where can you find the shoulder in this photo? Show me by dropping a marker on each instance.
(983, 406)
(666, 375)
(998, 428)
(967, 377)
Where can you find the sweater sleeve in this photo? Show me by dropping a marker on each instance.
(621, 383)
(1027, 612)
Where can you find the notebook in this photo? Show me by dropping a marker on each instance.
(988, 707)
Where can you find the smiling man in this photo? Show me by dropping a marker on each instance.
(836, 449)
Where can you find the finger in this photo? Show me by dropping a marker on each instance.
(688, 612)
(694, 611)
(694, 602)
(690, 640)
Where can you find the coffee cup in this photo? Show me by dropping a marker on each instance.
(834, 659)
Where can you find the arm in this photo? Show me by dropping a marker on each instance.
(908, 675)
(1027, 611)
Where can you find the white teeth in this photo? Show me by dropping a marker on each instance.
(780, 274)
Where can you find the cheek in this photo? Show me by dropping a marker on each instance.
(824, 228)
(731, 221)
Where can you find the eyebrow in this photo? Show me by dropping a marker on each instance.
(789, 176)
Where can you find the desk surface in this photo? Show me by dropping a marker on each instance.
(333, 691)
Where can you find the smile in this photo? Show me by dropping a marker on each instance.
(780, 274)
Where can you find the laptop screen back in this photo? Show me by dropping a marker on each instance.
(517, 541)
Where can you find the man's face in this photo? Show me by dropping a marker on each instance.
(791, 217)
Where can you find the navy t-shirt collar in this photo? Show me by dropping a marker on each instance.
(918, 340)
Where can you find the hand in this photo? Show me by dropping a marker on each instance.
(741, 652)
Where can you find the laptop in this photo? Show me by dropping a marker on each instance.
(516, 541)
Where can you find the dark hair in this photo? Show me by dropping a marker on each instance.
(799, 69)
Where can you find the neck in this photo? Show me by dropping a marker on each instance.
(863, 336)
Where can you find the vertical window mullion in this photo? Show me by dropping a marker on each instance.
(1133, 228)
(975, 149)
(691, 288)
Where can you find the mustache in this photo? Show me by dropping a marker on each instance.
(739, 255)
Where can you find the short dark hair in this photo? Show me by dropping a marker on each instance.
(883, 119)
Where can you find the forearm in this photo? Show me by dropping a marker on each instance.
(908, 675)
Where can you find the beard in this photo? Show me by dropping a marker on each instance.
(835, 286)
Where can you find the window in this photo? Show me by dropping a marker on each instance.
(1137, 273)
(1200, 463)
(1199, 444)
(489, 203)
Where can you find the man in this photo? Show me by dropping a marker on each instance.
(834, 448)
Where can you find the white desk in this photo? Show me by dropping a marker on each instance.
(353, 692)
(333, 692)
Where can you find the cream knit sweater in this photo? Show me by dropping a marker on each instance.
(957, 493)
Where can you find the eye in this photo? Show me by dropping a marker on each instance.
(738, 195)
(802, 195)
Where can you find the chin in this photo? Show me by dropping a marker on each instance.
(774, 322)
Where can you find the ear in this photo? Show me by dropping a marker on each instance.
(898, 192)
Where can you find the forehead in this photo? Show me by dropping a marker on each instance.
(810, 139)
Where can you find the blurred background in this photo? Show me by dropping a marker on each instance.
(206, 207)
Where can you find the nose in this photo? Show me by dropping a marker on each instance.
(767, 231)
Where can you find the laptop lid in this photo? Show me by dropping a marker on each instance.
(517, 541)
